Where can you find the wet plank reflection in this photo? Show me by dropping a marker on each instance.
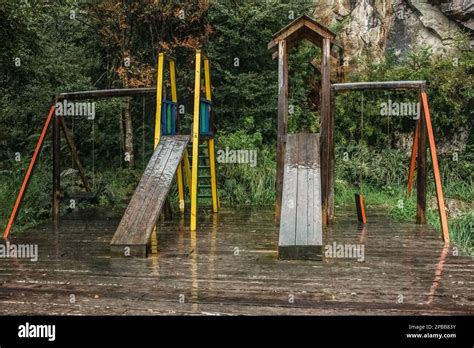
(230, 266)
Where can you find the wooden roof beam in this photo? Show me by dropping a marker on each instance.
(303, 21)
(336, 50)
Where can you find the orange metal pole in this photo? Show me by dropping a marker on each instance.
(360, 208)
(437, 176)
(26, 180)
(414, 153)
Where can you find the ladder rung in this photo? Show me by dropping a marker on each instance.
(200, 167)
(204, 186)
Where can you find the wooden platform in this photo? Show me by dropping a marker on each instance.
(300, 222)
(230, 266)
(133, 232)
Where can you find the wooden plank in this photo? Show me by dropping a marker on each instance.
(315, 237)
(138, 196)
(300, 226)
(29, 172)
(160, 192)
(146, 197)
(437, 176)
(153, 199)
(289, 199)
(282, 123)
(311, 209)
(352, 86)
(302, 191)
(421, 172)
(314, 188)
(414, 149)
(74, 153)
(135, 206)
(141, 215)
(129, 236)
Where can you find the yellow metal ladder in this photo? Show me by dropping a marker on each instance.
(202, 110)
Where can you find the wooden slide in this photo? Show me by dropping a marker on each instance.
(135, 228)
(301, 214)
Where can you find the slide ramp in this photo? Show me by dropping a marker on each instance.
(134, 231)
(301, 214)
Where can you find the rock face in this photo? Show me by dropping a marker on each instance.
(375, 26)
(461, 11)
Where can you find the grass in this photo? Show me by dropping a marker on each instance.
(401, 207)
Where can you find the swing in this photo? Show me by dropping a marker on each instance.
(87, 195)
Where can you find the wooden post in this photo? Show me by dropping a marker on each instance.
(56, 168)
(326, 139)
(421, 171)
(331, 166)
(282, 122)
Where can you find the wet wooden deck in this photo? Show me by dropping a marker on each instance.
(230, 266)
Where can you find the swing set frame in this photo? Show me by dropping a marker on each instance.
(57, 124)
(423, 130)
(191, 172)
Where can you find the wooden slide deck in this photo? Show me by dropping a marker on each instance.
(134, 231)
(301, 214)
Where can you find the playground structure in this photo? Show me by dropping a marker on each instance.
(401, 260)
(305, 162)
(295, 218)
(169, 158)
(133, 233)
